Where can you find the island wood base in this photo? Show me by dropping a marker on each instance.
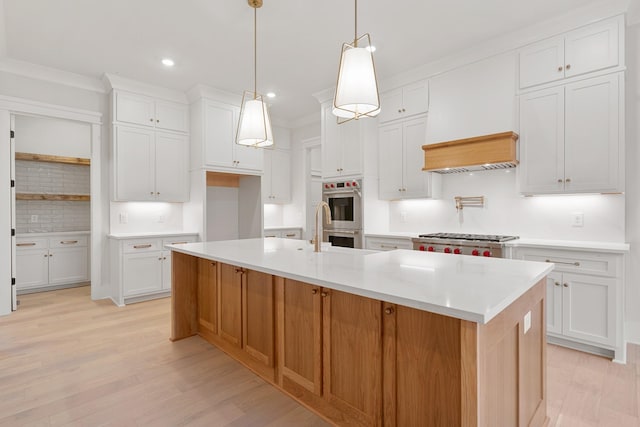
(359, 361)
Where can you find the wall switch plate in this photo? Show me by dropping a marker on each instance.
(161, 218)
(527, 322)
(34, 218)
(124, 217)
(403, 216)
(577, 219)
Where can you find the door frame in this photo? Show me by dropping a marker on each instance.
(10, 106)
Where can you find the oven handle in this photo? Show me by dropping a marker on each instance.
(335, 232)
(351, 192)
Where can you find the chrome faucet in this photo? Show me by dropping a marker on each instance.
(317, 240)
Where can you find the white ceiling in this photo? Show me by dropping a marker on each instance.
(211, 40)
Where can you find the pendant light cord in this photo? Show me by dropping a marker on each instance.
(255, 53)
(355, 18)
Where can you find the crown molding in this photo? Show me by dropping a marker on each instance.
(307, 120)
(200, 91)
(28, 106)
(117, 82)
(40, 72)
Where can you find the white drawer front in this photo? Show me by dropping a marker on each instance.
(179, 240)
(68, 241)
(593, 263)
(141, 245)
(388, 244)
(293, 233)
(24, 243)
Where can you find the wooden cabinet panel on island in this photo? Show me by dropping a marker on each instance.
(230, 288)
(207, 297)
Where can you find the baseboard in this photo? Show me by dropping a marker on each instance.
(133, 300)
(51, 288)
(632, 332)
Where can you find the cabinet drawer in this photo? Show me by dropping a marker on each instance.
(68, 241)
(24, 243)
(179, 240)
(388, 244)
(293, 233)
(593, 263)
(142, 245)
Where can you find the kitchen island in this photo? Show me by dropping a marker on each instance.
(362, 338)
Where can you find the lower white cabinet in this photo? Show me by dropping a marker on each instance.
(141, 266)
(45, 260)
(379, 243)
(285, 233)
(584, 298)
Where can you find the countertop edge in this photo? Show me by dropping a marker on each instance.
(124, 236)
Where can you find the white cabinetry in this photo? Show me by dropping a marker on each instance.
(141, 266)
(380, 243)
(342, 146)
(150, 165)
(285, 233)
(584, 298)
(570, 138)
(400, 163)
(146, 111)
(51, 260)
(277, 176)
(588, 49)
(214, 127)
(404, 102)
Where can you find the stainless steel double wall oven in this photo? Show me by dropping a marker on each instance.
(345, 202)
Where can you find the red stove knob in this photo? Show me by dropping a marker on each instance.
(355, 184)
(431, 249)
(348, 184)
(421, 248)
(332, 185)
(475, 252)
(486, 253)
(457, 251)
(326, 186)
(447, 250)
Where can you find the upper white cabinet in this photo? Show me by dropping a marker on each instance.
(400, 162)
(277, 176)
(404, 102)
(214, 126)
(150, 165)
(146, 111)
(342, 146)
(584, 50)
(570, 138)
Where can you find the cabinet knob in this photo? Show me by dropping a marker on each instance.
(403, 110)
(568, 67)
(399, 110)
(50, 255)
(567, 180)
(557, 283)
(45, 255)
(566, 285)
(214, 263)
(151, 119)
(560, 68)
(151, 192)
(560, 180)
(324, 294)
(158, 121)
(388, 310)
(314, 291)
(160, 259)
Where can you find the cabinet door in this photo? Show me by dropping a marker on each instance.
(352, 327)
(554, 303)
(68, 265)
(171, 167)
(219, 134)
(249, 158)
(142, 273)
(592, 48)
(542, 62)
(589, 307)
(390, 158)
(416, 182)
(592, 135)
(351, 144)
(172, 116)
(390, 105)
(32, 268)
(134, 154)
(207, 296)
(230, 304)
(331, 150)
(166, 270)
(257, 316)
(542, 153)
(415, 98)
(301, 359)
(135, 109)
(280, 177)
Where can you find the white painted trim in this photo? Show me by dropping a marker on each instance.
(113, 81)
(27, 106)
(307, 120)
(5, 214)
(53, 75)
(309, 143)
(201, 91)
(632, 332)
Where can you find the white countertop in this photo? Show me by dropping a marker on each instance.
(468, 288)
(153, 234)
(53, 233)
(283, 227)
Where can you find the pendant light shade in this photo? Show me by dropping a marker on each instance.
(254, 126)
(357, 87)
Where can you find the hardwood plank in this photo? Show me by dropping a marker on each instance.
(53, 159)
(54, 197)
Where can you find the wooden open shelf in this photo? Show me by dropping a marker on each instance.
(54, 159)
(55, 197)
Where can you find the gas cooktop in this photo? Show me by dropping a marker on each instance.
(470, 237)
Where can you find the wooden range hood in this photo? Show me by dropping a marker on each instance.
(495, 151)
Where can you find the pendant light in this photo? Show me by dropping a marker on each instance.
(254, 126)
(357, 89)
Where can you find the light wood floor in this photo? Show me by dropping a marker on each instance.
(67, 360)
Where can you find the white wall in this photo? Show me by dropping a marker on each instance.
(57, 137)
(145, 217)
(296, 212)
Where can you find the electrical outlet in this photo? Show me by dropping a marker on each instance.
(34, 218)
(124, 218)
(161, 218)
(527, 322)
(403, 216)
(577, 219)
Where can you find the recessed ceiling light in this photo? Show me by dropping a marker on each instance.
(371, 48)
(271, 95)
(168, 62)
